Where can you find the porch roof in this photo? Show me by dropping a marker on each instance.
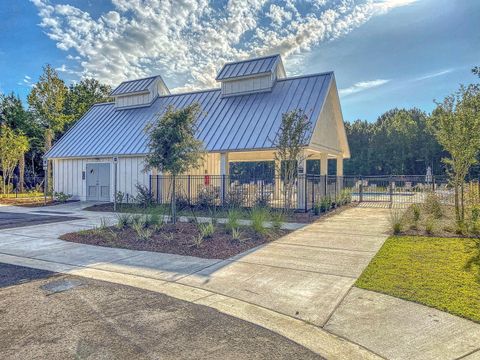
(238, 123)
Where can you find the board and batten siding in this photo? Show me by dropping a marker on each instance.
(67, 175)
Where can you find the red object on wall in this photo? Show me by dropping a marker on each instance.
(206, 180)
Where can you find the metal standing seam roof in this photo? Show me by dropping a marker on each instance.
(246, 122)
(134, 86)
(248, 67)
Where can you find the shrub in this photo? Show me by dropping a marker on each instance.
(143, 232)
(236, 197)
(123, 221)
(258, 216)
(197, 241)
(396, 220)
(144, 196)
(316, 208)
(237, 235)
(182, 202)
(233, 219)
(206, 230)
(430, 225)
(277, 218)
(206, 197)
(325, 204)
(119, 197)
(433, 206)
(62, 197)
(154, 220)
(345, 197)
(138, 220)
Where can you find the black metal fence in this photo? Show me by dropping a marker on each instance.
(306, 192)
(235, 191)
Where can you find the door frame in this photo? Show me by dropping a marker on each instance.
(109, 182)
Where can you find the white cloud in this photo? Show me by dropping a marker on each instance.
(362, 86)
(26, 81)
(188, 41)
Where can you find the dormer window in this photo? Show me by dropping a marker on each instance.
(140, 92)
(250, 76)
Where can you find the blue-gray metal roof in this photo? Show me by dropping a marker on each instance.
(244, 122)
(248, 67)
(133, 86)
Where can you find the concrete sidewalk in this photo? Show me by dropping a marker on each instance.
(299, 286)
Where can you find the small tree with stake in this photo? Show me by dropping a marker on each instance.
(456, 125)
(289, 143)
(172, 145)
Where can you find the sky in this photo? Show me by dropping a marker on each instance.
(385, 53)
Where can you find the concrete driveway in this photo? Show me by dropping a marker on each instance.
(45, 315)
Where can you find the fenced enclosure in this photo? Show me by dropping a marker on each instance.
(306, 192)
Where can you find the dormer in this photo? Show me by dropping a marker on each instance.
(139, 92)
(250, 76)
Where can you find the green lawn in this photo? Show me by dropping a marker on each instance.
(440, 272)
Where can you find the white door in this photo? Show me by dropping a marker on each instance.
(98, 182)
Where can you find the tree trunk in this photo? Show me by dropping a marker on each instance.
(462, 205)
(48, 146)
(174, 200)
(457, 209)
(21, 175)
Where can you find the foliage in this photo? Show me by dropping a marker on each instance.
(154, 220)
(62, 197)
(206, 230)
(456, 125)
(430, 271)
(345, 197)
(398, 142)
(233, 219)
(396, 216)
(290, 141)
(144, 233)
(206, 197)
(433, 206)
(119, 197)
(144, 196)
(237, 235)
(259, 216)
(82, 95)
(236, 197)
(13, 145)
(430, 225)
(123, 221)
(277, 218)
(173, 147)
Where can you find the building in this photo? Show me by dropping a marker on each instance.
(239, 122)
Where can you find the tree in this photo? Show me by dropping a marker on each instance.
(173, 147)
(83, 95)
(290, 142)
(456, 125)
(13, 146)
(13, 115)
(47, 100)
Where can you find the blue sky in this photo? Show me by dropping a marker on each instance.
(385, 53)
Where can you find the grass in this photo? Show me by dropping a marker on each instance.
(443, 273)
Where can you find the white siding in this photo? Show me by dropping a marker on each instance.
(252, 84)
(67, 176)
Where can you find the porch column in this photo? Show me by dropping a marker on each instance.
(224, 179)
(301, 184)
(323, 173)
(339, 172)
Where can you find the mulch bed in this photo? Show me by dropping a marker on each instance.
(177, 239)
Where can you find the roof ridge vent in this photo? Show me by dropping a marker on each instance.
(139, 92)
(251, 75)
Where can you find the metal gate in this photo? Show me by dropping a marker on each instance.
(394, 189)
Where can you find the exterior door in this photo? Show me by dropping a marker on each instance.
(98, 182)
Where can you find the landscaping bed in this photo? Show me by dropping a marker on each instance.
(180, 239)
(443, 273)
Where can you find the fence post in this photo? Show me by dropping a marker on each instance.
(189, 191)
(158, 188)
(361, 190)
(224, 183)
(305, 191)
(391, 190)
